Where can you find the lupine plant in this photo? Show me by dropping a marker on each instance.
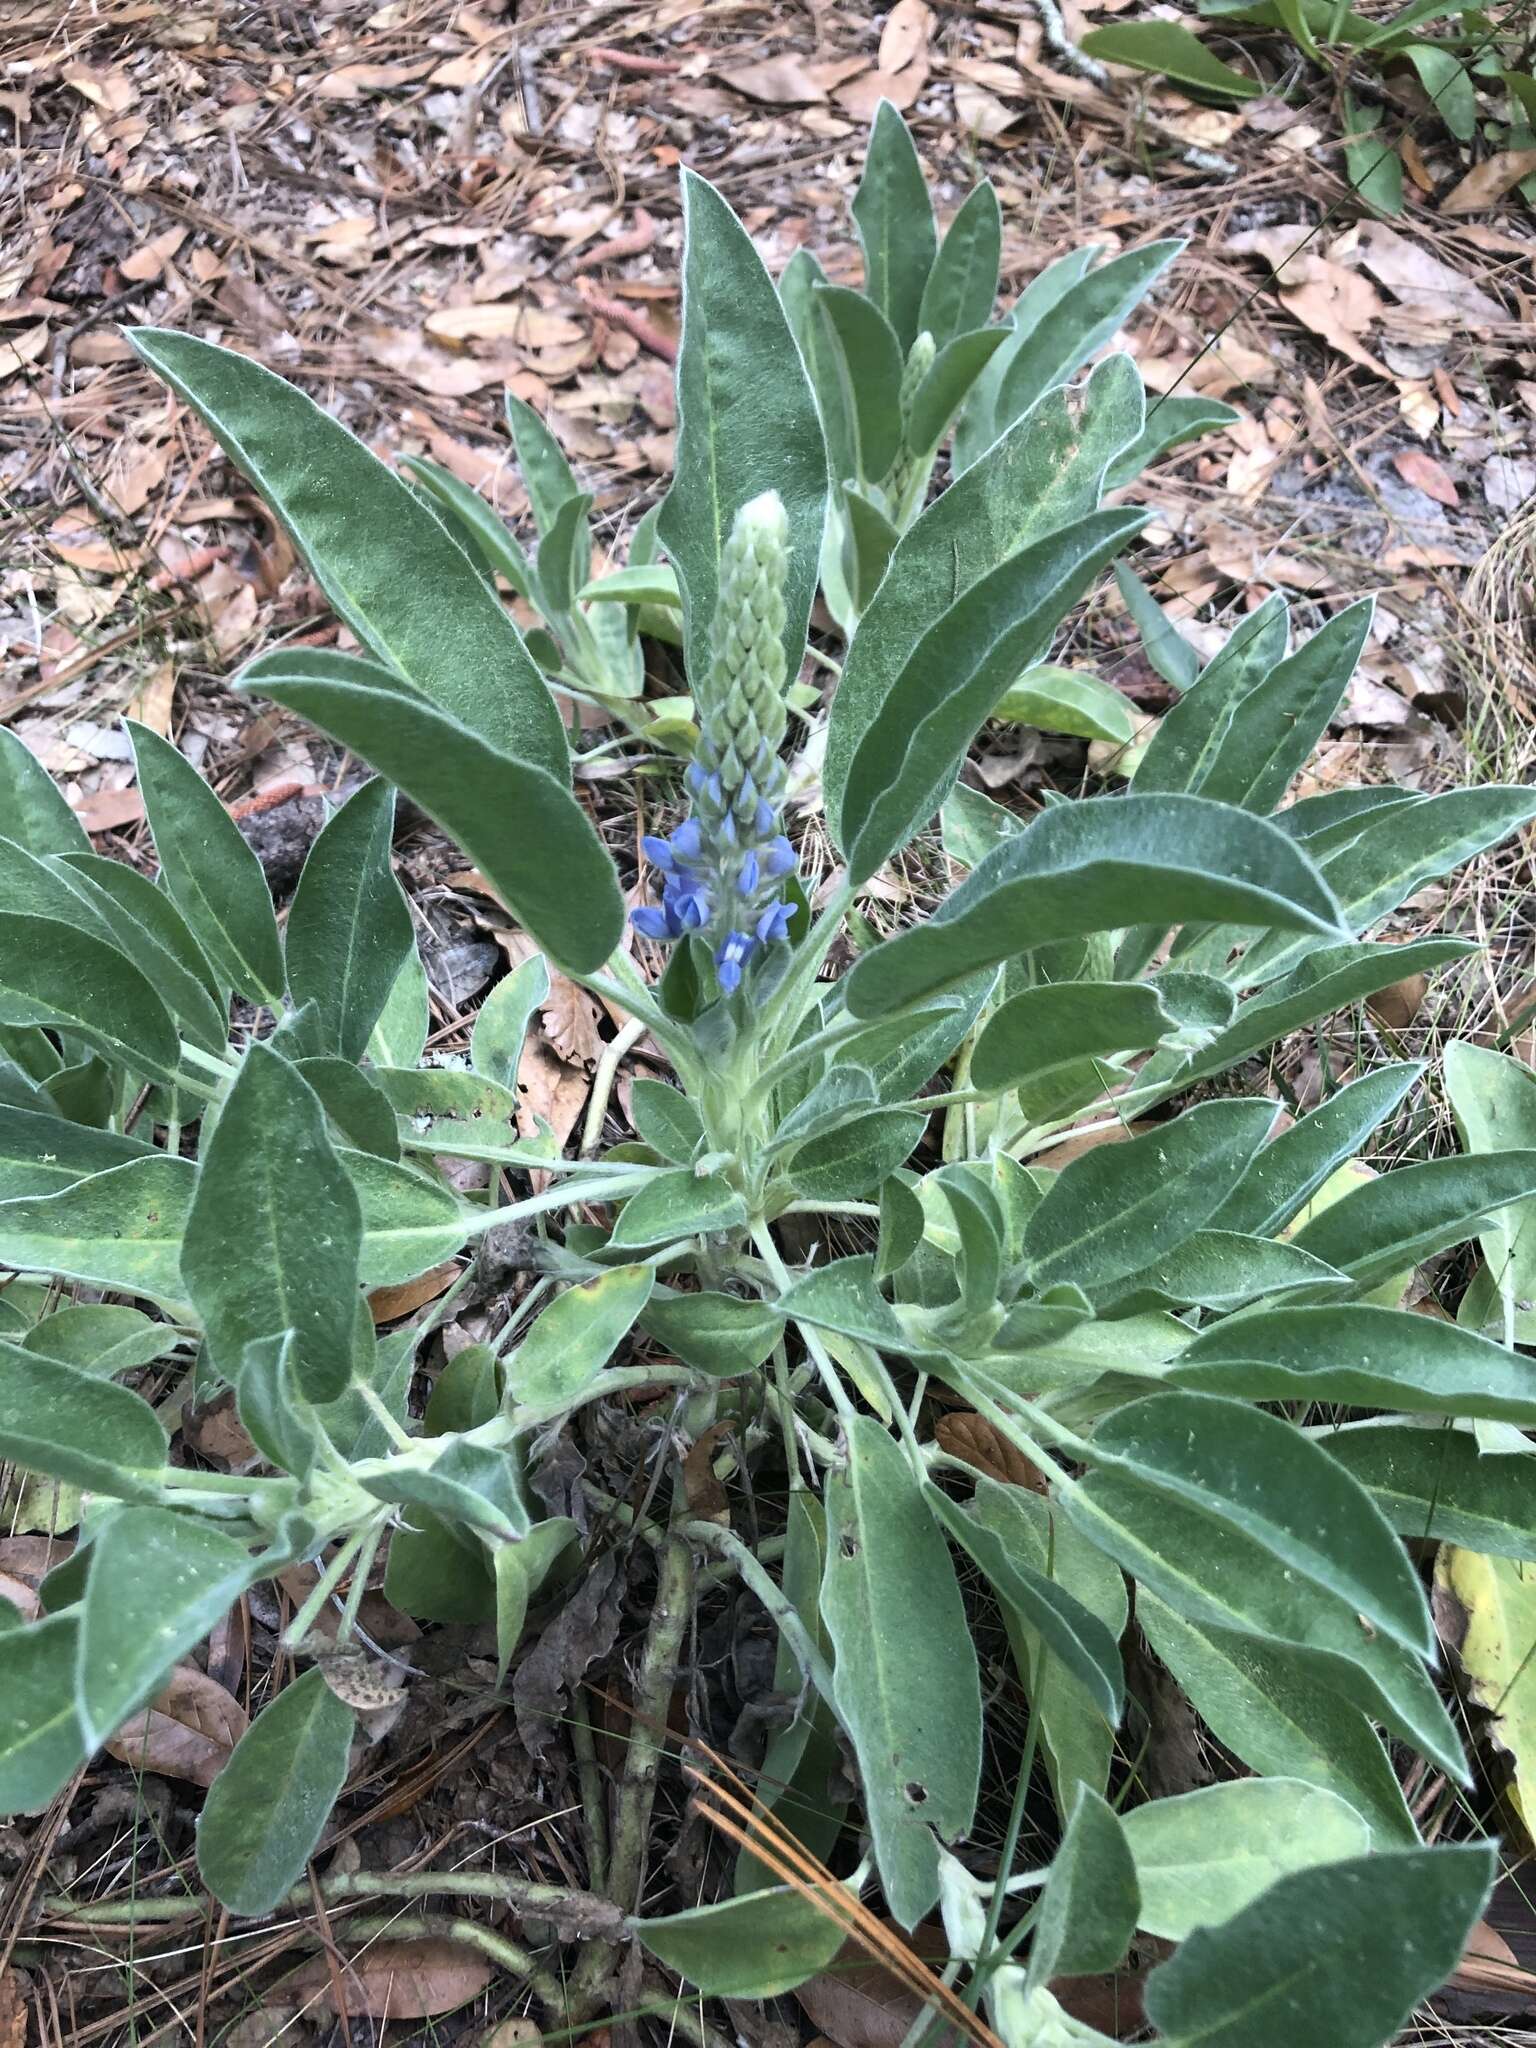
(1193, 1332)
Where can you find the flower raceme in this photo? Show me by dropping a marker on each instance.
(722, 866)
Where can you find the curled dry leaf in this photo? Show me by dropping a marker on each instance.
(396, 1980)
(389, 1304)
(1486, 183)
(1398, 1005)
(187, 1732)
(987, 1450)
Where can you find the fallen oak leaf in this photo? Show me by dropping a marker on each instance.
(1426, 475)
(396, 1980)
(1486, 183)
(188, 1731)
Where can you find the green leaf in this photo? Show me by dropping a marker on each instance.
(906, 762)
(1086, 317)
(349, 929)
(436, 1573)
(68, 1424)
(275, 1233)
(519, 1570)
(547, 476)
(978, 426)
(642, 583)
(399, 1036)
(1162, 642)
(666, 1120)
(516, 822)
(119, 1229)
(41, 1746)
(1068, 700)
(277, 1417)
(1325, 1955)
(479, 522)
(476, 1484)
(1194, 733)
(1171, 420)
(389, 567)
(1364, 1356)
(1274, 1716)
(1383, 1225)
(1436, 1485)
(1069, 1630)
(40, 1154)
(565, 554)
(100, 1338)
(1079, 868)
(1372, 165)
(354, 1102)
(1043, 1029)
(719, 1334)
(58, 975)
(1088, 1910)
(148, 927)
(1327, 980)
(842, 1296)
(753, 1947)
(1172, 52)
(158, 1583)
(1448, 82)
(894, 217)
(574, 1338)
(674, 1205)
(265, 1811)
(1220, 1269)
(410, 1220)
(501, 1022)
(1494, 1100)
(869, 542)
(871, 374)
(36, 811)
(1036, 479)
(962, 284)
(1290, 1169)
(747, 423)
(1117, 1207)
(942, 392)
(852, 1161)
(1406, 845)
(1263, 1476)
(907, 1687)
(1207, 1568)
(1203, 1856)
(1078, 1739)
(1278, 722)
(213, 877)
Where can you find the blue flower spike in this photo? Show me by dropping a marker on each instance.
(724, 864)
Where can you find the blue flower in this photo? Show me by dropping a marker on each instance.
(687, 906)
(651, 923)
(730, 959)
(778, 858)
(746, 881)
(773, 925)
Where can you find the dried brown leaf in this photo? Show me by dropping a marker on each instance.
(188, 1732)
(389, 1304)
(1426, 475)
(905, 37)
(985, 1448)
(1397, 1005)
(13, 2011)
(396, 1980)
(1486, 183)
(783, 81)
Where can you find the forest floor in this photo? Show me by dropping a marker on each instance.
(408, 208)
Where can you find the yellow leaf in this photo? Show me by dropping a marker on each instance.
(1497, 1601)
